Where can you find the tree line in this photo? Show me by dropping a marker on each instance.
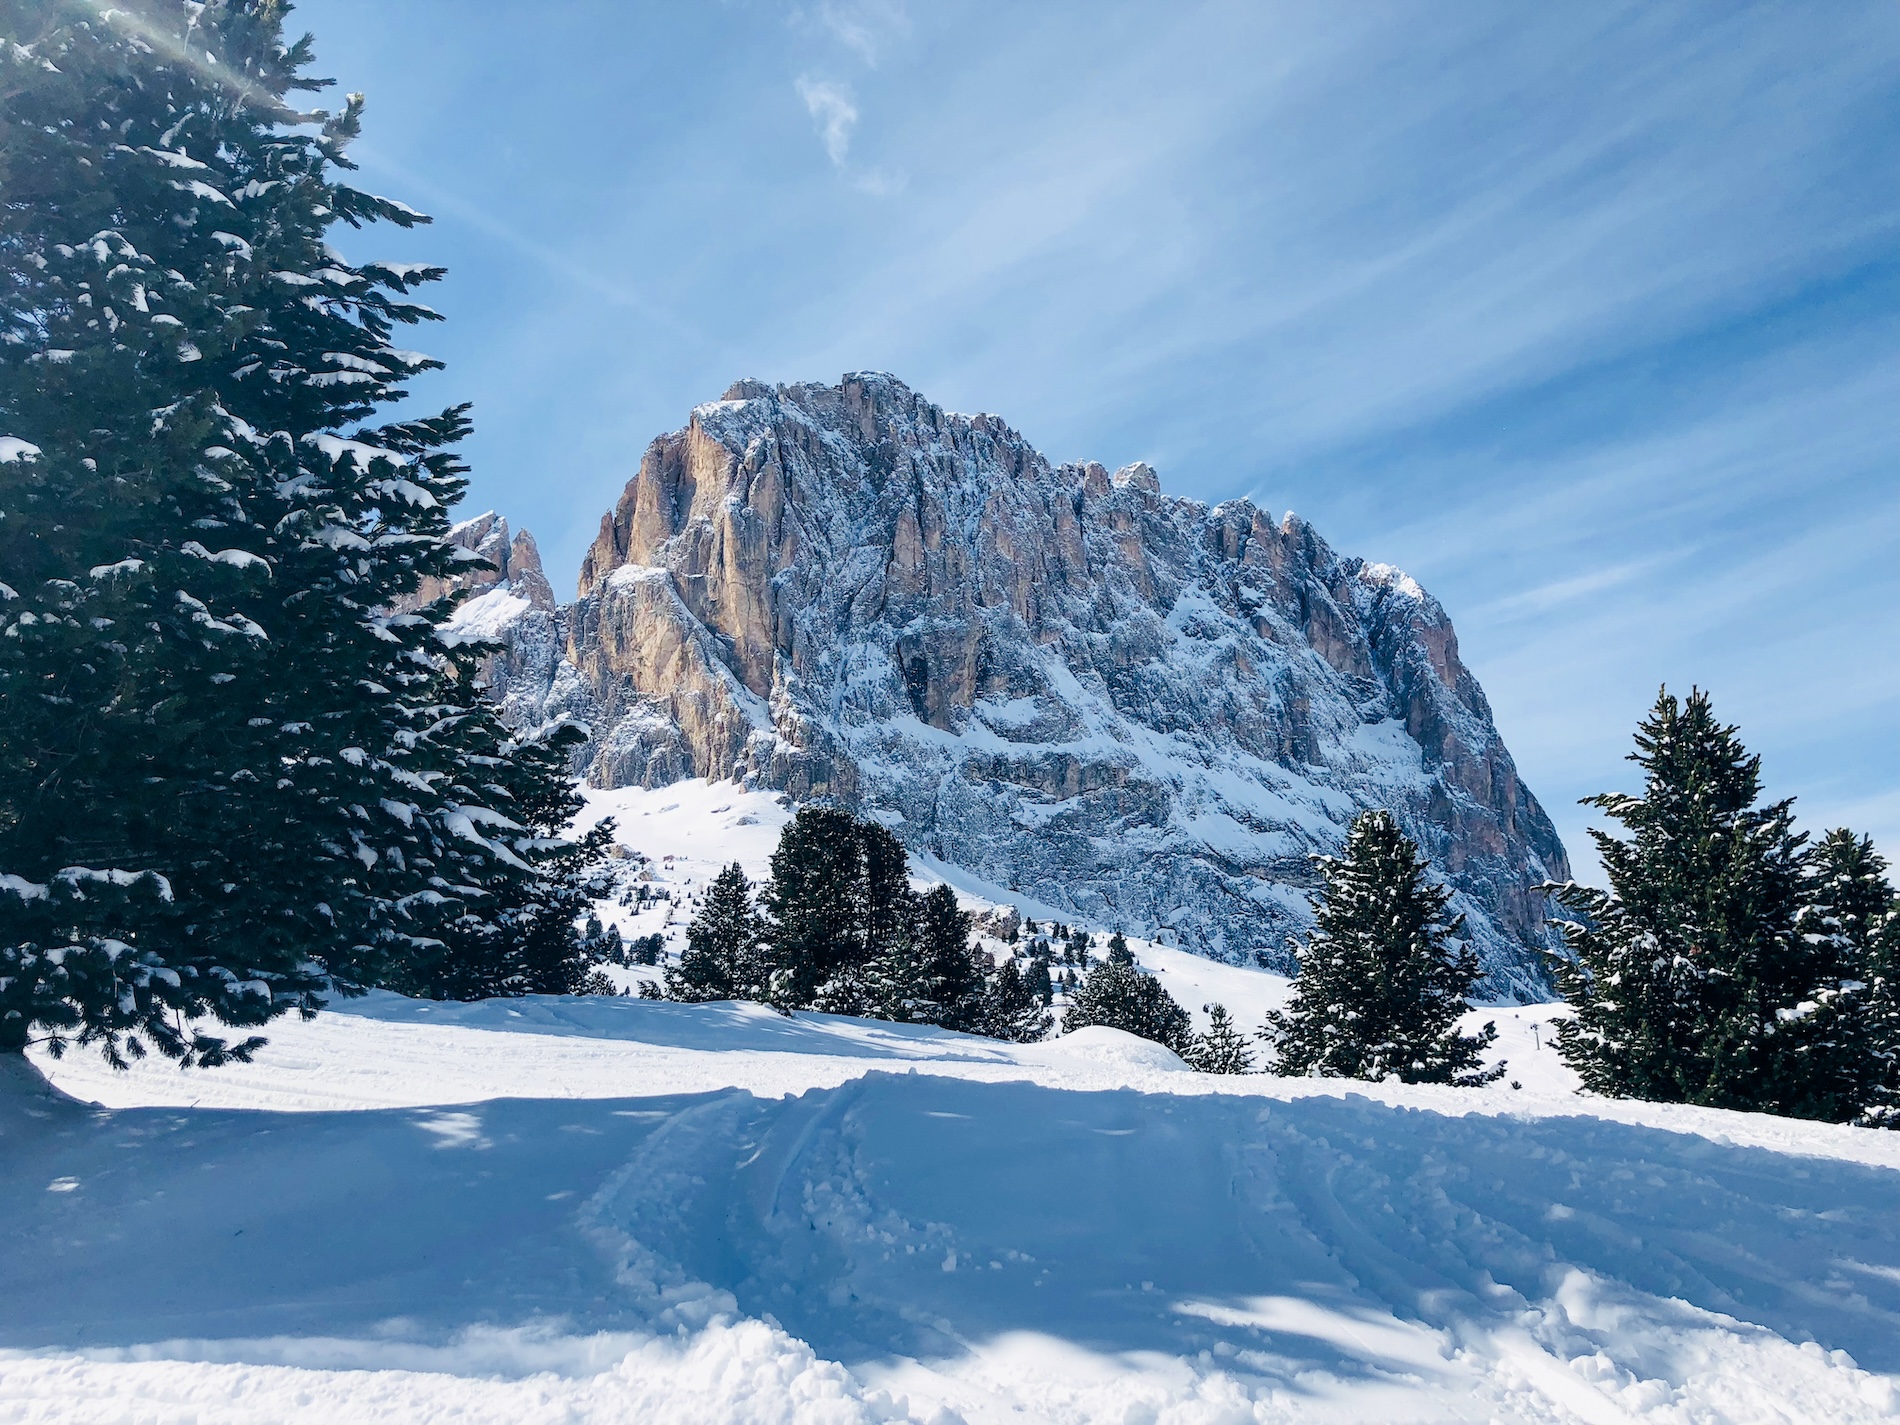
(1729, 963)
(836, 927)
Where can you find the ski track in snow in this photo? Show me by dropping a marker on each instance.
(586, 1209)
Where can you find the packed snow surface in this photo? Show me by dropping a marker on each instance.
(612, 1209)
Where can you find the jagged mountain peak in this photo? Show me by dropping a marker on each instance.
(1062, 679)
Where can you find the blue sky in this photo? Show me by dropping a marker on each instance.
(1588, 316)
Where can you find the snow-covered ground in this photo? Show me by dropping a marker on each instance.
(612, 1209)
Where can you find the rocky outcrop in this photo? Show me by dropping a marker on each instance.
(1143, 710)
(494, 559)
(509, 601)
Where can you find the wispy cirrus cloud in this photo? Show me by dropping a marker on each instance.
(831, 109)
(834, 114)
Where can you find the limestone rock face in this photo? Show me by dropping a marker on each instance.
(496, 560)
(1134, 707)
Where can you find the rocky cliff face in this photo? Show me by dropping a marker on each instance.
(495, 561)
(1144, 710)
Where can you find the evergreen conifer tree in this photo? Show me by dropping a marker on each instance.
(848, 991)
(1118, 949)
(1840, 1044)
(889, 904)
(1040, 985)
(942, 936)
(1382, 986)
(1689, 974)
(838, 897)
(898, 983)
(610, 949)
(1882, 1107)
(817, 900)
(1222, 1049)
(1011, 1010)
(723, 958)
(230, 777)
(1122, 997)
(527, 936)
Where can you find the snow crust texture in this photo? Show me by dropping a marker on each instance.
(1140, 710)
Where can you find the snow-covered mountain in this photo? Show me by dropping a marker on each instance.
(1142, 710)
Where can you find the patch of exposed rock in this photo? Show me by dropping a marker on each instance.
(494, 559)
(1134, 707)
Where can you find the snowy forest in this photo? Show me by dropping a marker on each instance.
(257, 788)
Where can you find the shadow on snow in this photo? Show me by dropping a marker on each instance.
(918, 1216)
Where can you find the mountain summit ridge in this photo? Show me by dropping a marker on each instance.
(1146, 709)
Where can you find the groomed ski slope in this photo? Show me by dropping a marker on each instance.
(595, 1209)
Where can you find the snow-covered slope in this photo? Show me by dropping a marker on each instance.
(602, 1209)
(1137, 709)
(607, 1209)
(610, 1209)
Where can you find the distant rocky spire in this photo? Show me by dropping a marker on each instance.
(514, 562)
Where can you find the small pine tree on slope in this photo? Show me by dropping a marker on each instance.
(230, 777)
(1382, 985)
(723, 957)
(1681, 972)
(1122, 997)
(1011, 1009)
(1222, 1049)
(899, 982)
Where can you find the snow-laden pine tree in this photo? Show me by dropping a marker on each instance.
(1222, 1049)
(1690, 973)
(1840, 1048)
(522, 939)
(724, 956)
(899, 982)
(1123, 997)
(230, 778)
(1381, 986)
